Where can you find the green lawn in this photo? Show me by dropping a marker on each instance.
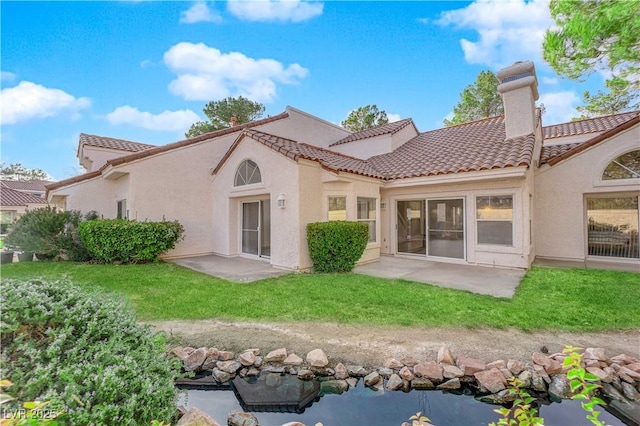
(562, 299)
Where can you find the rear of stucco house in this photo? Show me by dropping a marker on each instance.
(497, 192)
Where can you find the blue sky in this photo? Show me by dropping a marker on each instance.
(143, 70)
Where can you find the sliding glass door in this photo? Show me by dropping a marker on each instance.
(256, 228)
(411, 227)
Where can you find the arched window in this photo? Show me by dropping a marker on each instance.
(626, 166)
(247, 173)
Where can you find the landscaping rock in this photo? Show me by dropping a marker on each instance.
(624, 359)
(229, 366)
(595, 353)
(559, 387)
(273, 369)
(429, 370)
(372, 378)
(542, 372)
(629, 372)
(247, 358)
(253, 372)
(225, 356)
(392, 363)
(506, 373)
(635, 366)
(492, 380)
(210, 362)
(516, 367)
(538, 383)
(630, 392)
(386, 372)
(356, 370)
(333, 387)
(451, 371)
(497, 364)
(449, 385)
(306, 374)
(220, 376)
(445, 356)
(178, 352)
(422, 383)
(501, 397)
(409, 361)
(292, 359)
(600, 374)
(341, 371)
(258, 362)
(317, 358)
(194, 361)
(277, 355)
(405, 373)
(470, 366)
(240, 418)
(612, 392)
(525, 377)
(196, 417)
(395, 382)
(352, 382)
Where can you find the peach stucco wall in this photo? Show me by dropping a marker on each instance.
(560, 218)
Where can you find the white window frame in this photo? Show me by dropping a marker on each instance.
(122, 212)
(512, 220)
(371, 221)
(240, 168)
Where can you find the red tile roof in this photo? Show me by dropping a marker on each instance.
(389, 128)
(555, 153)
(590, 125)
(26, 185)
(478, 145)
(11, 197)
(112, 143)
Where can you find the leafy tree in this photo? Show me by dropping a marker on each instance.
(597, 35)
(16, 171)
(220, 113)
(478, 100)
(365, 118)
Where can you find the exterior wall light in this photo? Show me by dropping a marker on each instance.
(281, 201)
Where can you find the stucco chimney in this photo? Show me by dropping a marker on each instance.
(519, 90)
(234, 121)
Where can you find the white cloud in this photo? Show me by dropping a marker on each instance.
(169, 121)
(393, 117)
(560, 107)
(551, 81)
(7, 76)
(205, 73)
(28, 100)
(509, 31)
(199, 12)
(275, 10)
(146, 63)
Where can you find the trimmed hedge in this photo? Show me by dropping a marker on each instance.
(336, 246)
(117, 240)
(85, 353)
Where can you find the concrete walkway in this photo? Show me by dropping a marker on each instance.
(477, 279)
(237, 269)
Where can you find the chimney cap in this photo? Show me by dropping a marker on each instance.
(234, 121)
(520, 74)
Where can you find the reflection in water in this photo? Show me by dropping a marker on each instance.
(277, 399)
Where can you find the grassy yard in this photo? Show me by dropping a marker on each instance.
(561, 299)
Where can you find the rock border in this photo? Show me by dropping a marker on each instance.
(619, 376)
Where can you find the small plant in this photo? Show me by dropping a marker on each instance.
(336, 246)
(419, 420)
(522, 413)
(582, 383)
(117, 240)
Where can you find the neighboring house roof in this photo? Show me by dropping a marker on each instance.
(164, 148)
(479, 145)
(590, 125)
(389, 128)
(553, 154)
(25, 185)
(11, 197)
(112, 143)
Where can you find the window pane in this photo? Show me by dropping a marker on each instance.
(366, 208)
(494, 207)
(495, 232)
(626, 166)
(247, 173)
(613, 227)
(337, 208)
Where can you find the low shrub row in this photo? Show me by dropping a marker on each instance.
(84, 353)
(52, 233)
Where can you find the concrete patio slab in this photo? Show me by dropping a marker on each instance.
(237, 269)
(477, 279)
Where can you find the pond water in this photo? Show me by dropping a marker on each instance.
(290, 401)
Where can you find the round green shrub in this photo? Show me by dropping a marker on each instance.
(336, 246)
(85, 353)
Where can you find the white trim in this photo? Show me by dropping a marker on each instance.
(510, 172)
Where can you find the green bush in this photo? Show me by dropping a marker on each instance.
(117, 240)
(336, 246)
(49, 233)
(85, 353)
